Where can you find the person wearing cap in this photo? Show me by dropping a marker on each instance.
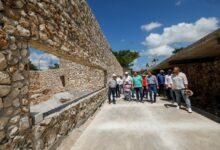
(161, 82)
(137, 84)
(127, 78)
(180, 86)
(153, 86)
(145, 85)
(169, 85)
(112, 83)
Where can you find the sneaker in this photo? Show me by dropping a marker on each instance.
(177, 107)
(189, 110)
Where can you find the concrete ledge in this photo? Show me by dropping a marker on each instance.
(39, 117)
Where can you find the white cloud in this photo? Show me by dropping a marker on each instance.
(151, 26)
(42, 60)
(178, 3)
(164, 50)
(161, 44)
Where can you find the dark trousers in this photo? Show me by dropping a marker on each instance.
(161, 91)
(145, 91)
(118, 91)
(153, 91)
(111, 93)
(139, 93)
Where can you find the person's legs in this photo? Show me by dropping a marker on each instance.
(113, 94)
(126, 95)
(109, 95)
(122, 91)
(151, 93)
(178, 97)
(137, 93)
(132, 92)
(117, 91)
(164, 90)
(141, 93)
(169, 94)
(160, 91)
(186, 99)
(144, 91)
(154, 88)
(129, 95)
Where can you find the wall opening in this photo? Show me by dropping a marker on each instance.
(55, 82)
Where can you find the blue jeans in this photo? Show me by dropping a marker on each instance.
(179, 95)
(170, 94)
(153, 90)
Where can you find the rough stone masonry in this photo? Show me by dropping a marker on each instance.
(65, 28)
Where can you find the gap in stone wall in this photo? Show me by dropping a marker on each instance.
(42, 66)
(55, 82)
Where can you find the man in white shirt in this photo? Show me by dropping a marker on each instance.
(119, 86)
(180, 84)
(127, 78)
(169, 85)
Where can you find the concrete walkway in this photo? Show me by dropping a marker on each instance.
(137, 126)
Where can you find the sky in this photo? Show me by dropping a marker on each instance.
(155, 28)
(42, 59)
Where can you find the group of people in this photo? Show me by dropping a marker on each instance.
(172, 85)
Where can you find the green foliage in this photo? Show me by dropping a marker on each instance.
(126, 57)
(32, 66)
(177, 50)
(55, 66)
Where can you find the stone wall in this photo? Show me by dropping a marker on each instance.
(204, 80)
(78, 79)
(60, 124)
(65, 28)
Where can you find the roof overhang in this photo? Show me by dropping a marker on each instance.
(207, 48)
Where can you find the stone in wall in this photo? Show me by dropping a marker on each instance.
(205, 82)
(66, 120)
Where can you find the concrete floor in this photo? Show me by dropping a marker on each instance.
(137, 126)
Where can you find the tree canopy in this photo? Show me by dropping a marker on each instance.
(54, 66)
(32, 66)
(177, 50)
(126, 57)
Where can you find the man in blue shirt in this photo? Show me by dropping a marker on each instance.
(152, 86)
(161, 82)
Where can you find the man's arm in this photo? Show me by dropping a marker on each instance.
(155, 78)
(185, 81)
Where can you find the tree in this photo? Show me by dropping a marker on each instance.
(32, 66)
(55, 66)
(177, 50)
(126, 57)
